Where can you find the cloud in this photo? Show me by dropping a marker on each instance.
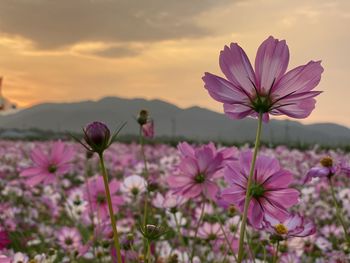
(53, 24)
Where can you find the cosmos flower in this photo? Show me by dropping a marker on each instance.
(96, 196)
(269, 192)
(210, 231)
(4, 259)
(48, 166)
(294, 226)
(169, 201)
(133, 185)
(198, 167)
(69, 239)
(268, 89)
(328, 167)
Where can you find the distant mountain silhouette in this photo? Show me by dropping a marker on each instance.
(170, 120)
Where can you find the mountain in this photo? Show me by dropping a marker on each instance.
(170, 120)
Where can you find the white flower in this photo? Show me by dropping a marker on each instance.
(133, 185)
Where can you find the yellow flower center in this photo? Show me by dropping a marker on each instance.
(327, 161)
(281, 229)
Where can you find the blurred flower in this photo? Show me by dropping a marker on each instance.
(96, 196)
(197, 169)
(210, 231)
(294, 226)
(170, 201)
(20, 258)
(48, 166)
(4, 259)
(328, 167)
(267, 89)
(69, 239)
(133, 185)
(269, 191)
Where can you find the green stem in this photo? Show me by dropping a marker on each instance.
(339, 212)
(110, 208)
(275, 257)
(247, 197)
(196, 231)
(145, 174)
(148, 257)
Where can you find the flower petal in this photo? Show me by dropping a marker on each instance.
(237, 111)
(271, 63)
(236, 66)
(222, 90)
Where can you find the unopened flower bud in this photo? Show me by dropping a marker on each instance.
(97, 136)
(143, 117)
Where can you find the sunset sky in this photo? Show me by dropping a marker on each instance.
(72, 50)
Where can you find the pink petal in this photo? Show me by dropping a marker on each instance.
(280, 179)
(236, 66)
(237, 111)
(189, 166)
(57, 151)
(33, 181)
(32, 171)
(39, 157)
(286, 197)
(223, 90)
(274, 209)
(271, 63)
(266, 167)
(299, 110)
(256, 214)
(210, 189)
(233, 175)
(175, 181)
(185, 149)
(301, 79)
(204, 156)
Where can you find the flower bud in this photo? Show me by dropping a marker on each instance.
(97, 136)
(143, 117)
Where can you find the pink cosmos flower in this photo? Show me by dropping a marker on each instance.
(268, 88)
(327, 168)
(98, 199)
(48, 166)
(198, 167)
(269, 191)
(69, 239)
(294, 226)
(210, 231)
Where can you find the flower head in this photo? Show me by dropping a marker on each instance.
(294, 226)
(69, 239)
(268, 89)
(327, 168)
(96, 196)
(48, 166)
(198, 167)
(4, 239)
(269, 192)
(97, 136)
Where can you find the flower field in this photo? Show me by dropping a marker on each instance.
(53, 204)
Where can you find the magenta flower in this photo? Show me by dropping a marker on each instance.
(98, 198)
(326, 169)
(48, 166)
(294, 226)
(198, 167)
(269, 191)
(268, 89)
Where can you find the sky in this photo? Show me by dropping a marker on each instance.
(72, 50)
